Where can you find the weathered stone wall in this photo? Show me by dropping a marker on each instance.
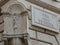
(18, 28)
(1, 28)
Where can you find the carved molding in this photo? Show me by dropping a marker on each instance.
(24, 13)
(15, 35)
(2, 2)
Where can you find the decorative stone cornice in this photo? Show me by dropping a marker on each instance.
(6, 13)
(45, 5)
(2, 2)
(24, 13)
(15, 35)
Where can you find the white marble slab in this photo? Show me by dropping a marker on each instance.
(44, 18)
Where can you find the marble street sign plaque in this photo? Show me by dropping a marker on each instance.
(44, 19)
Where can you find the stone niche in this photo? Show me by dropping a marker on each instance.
(15, 22)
